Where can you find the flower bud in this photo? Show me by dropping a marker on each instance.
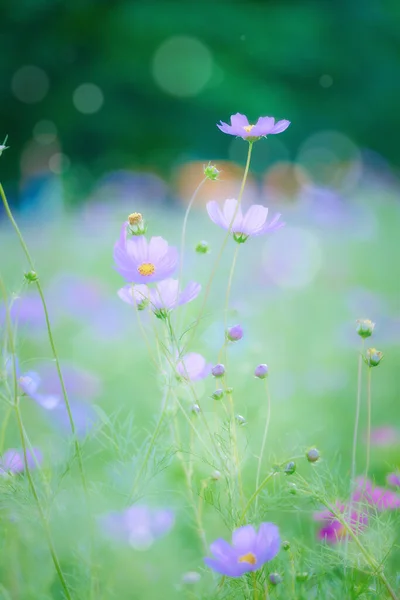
(365, 327)
(292, 488)
(275, 578)
(302, 576)
(290, 468)
(241, 420)
(373, 357)
(312, 455)
(218, 370)
(217, 395)
(211, 172)
(31, 276)
(229, 390)
(202, 247)
(286, 545)
(216, 475)
(195, 409)
(261, 371)
(136, 225)
(235, 333)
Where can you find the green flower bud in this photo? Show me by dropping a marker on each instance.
(290, 468)
(217, 395)
(302, 576)
(373, 357)
(211, 172)
(202, 247)
(31, 276)
(286, 545)
(365, 327)
(240, 420)
(275, 578)
(136, 223)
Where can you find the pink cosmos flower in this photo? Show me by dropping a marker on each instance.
(140, 261)
(241, 128)
(386, 435)
(379, 497)
(249, 550)
(193, 366)
(332, 530)
(163, 298)
(253, 223)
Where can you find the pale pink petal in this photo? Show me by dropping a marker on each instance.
(137, 249)
(215, 214)
(231, 209)
(191, 291)
(158, 247)
(239, 120)
(254, 219)
(280, 126)
(264, 126)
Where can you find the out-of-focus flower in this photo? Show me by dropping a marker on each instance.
(138, 526)
(26, 310)
(373, 357)
(385, 435)
(240, 127)
(163, 298)
(218, 370)
(332, 529)
(217, 395)
(261, 371)
(275, 578)
(249, 551)
(193, 366)
(393, 479)
(235, 333)
(12, 460)
(140, 261)
(365, 327)
(253, 223)
(378, 497)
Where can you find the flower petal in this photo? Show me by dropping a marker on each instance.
(137, 249)
(230, 209)
(280, 126)
(244, 539)
(191, 291)
(239, 121)
(133, 294)
(254, 219)
(264, 126)
(158, 248)
(268, 542)
(215, 214)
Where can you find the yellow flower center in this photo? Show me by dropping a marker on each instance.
(248, 558)
(248, 128)
(146, 269)
(135, 218)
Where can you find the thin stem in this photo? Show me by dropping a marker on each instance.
(357, 418)
(264, 438)
(224, 243)
(255, 588)
(369, 407)
(24, 450)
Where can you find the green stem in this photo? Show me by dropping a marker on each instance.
(357, 418)
(24, 450)
(264, 440)
(4, 428)
(369, 407)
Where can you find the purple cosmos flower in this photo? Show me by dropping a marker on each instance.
(332, 530)
(253, 223)
(379, 497)
(248, 552)
(163, 298)
(393, 479)
(235, 333)
(140, 261)
(241, 128)
(12, 460)
(193, 366)
(138, 526)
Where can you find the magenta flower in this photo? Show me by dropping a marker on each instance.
(193, 366)
(12, 460)
(332, 530)
(163, 298)
(241, 128)
(138, 526)
(253, 223)
(249, 550)
(393, 479)
(140, 261)
(379, 497)
(386, 435)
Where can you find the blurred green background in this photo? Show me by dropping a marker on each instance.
(139, 84)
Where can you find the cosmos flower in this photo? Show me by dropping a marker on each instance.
(376, 496)
(241, 128)
(12, 460)
(386, 435)
(140, 261)
(249, 551)
(163, 298)
(138, 526)
(332, 530)
(253, 223)
(393, 479)
(193, 366)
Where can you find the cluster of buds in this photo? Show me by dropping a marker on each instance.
(365, 328)
(136, 224)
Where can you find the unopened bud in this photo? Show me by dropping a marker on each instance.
(31, 276)
(275, 578)
(136, 224)
(286, 545)
(211, 172)
(218, 370)
(373, 357)
(365, 327)
(217, 395)
(241, 420)
(195, 409)
(202, 247)
(235, 333)
(290, 468)
(292, 488)
(261, 371)
(313, 455)
(229, 390)
(216, 475)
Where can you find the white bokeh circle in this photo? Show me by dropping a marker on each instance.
(88, 98)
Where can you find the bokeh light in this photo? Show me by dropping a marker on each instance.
(30, 84)
(88, 98)
(45, 132)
